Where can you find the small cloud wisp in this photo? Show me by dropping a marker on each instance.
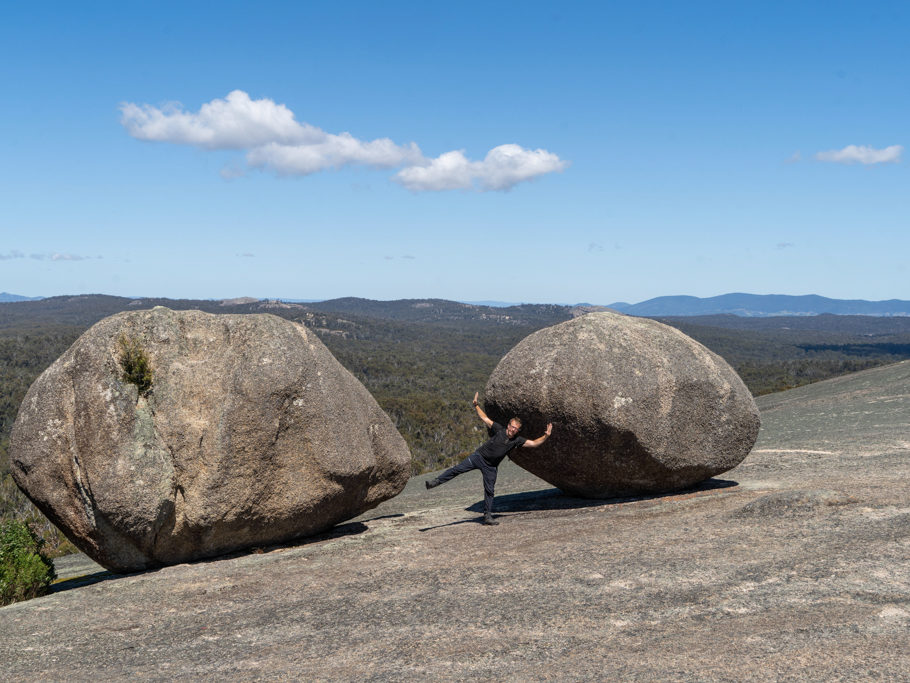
(861, 154)
(274, 140)
(50, 256)
(57, 256)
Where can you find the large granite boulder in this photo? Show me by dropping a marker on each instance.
(637, 406)
(249, 433)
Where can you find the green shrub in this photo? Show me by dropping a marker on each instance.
(15, 506)
(24, 570)
(135, 364)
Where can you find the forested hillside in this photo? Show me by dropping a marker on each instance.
(774, 354)
(424, 359)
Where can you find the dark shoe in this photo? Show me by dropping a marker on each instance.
(432, 483)
(489, 521)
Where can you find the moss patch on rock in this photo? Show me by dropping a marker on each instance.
(135, 364)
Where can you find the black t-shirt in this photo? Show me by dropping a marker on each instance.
(498, 447)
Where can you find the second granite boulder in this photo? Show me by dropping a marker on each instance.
(637, 406)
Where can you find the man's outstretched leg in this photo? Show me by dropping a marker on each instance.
(465, 465)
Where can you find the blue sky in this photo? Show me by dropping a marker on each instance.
(535, 152)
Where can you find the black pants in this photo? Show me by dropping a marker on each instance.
(475, 461)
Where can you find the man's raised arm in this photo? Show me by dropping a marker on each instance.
(534, 443)
(482, 415)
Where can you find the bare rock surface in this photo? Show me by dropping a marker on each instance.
(251, 433)
(637, 406)
(680, 586)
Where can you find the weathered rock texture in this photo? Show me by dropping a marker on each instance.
(637, 406)
(252, 433)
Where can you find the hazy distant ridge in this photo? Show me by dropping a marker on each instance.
(762, 305)
(6, 297)
(743, 305)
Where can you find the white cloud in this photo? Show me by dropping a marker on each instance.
(274, 140)
(449, 171)
(507, 165)
(503, 168)
(236, 122)
(15, 253)
(334, 151)
(853, 154)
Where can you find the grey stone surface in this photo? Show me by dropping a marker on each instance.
(636, 406)
(795, 502)
(680, 586)
(252, 434)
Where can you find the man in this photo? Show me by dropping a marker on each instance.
(489, 455)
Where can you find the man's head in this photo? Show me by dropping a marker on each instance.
(513, 427)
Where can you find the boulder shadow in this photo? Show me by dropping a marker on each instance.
(555, 499)
(339, 531)
(80, 581)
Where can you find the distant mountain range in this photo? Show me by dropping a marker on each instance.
(6, 297)
(743, 305)
(761, 306)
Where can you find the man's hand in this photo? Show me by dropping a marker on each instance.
(482, 415)
(534, 443)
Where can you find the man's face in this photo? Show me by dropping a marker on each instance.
(512, 429)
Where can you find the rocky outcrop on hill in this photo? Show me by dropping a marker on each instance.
(249, 433)
(637, 406)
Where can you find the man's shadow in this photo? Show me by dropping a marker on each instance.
(555, 499)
